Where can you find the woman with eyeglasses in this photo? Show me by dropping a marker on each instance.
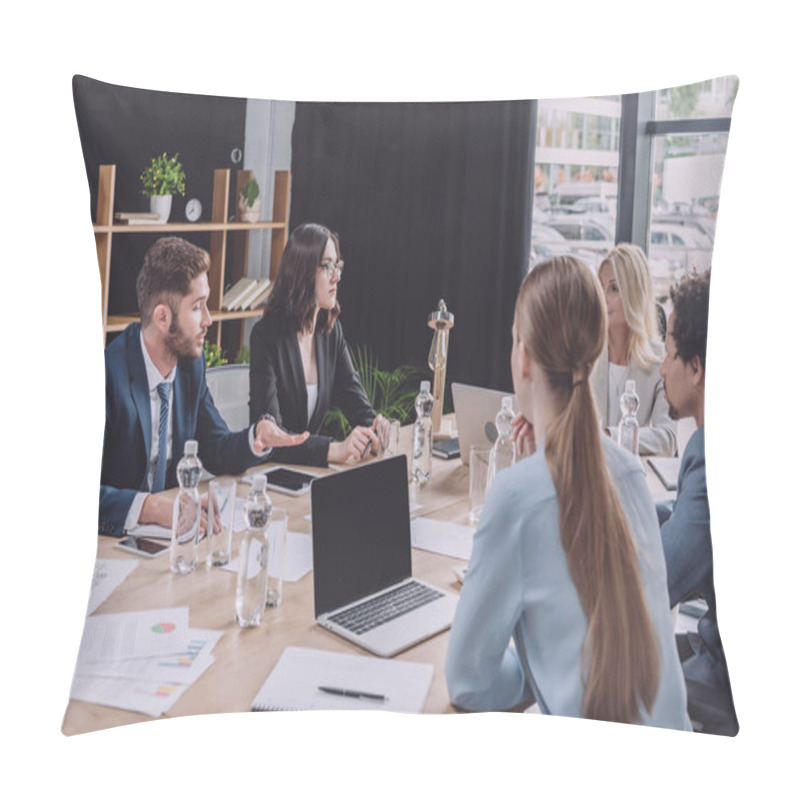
(567, 560)
(299, 362)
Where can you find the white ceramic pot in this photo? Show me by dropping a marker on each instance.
(250, 213)
(161, 204)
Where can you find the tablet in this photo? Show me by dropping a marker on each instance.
(285, 480)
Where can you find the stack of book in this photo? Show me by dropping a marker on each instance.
(246, 293)
(136, 218)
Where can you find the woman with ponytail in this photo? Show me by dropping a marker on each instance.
(567, 558)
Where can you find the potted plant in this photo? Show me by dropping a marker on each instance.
(163, 178)
(249, 202)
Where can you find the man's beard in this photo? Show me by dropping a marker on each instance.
(178, 343)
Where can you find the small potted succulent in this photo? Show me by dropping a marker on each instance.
(162, 179)
(249, 202)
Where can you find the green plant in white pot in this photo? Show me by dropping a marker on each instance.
(249, 202)
(162, 179)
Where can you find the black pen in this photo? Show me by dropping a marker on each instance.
(351, 693)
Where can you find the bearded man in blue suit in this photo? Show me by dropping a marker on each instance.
(157, 397)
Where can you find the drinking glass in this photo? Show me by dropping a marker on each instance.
(388, 437)
(478, 470)
(221, 502)
(277, 534)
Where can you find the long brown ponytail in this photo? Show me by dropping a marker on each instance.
(561, 319)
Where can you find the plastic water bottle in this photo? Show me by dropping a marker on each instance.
(503, 453)
(186, 513)
(628, 431)
(251, 582)
(423, 436)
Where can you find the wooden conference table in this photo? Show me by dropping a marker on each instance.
(244, 658)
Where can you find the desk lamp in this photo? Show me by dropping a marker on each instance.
(441, 321)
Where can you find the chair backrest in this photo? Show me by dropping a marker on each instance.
(230, 390)
(661, 318)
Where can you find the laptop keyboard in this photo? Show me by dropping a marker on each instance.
(368, 615)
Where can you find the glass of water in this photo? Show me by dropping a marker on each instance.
(478, 470)
(277, 534)
(221, 502)
(388, 432)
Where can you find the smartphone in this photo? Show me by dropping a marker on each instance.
(447, 448)
(288, 481)
(142, 547)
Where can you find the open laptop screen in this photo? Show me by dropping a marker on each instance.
(361, 532)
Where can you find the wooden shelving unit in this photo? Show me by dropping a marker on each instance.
(220, 229)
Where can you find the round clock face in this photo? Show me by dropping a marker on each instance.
(194, 208)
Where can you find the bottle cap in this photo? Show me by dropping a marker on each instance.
(190, 448)
(425, 386)
(630, 387)
(507, 401)
(259, 483)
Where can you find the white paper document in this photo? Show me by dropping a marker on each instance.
(297, 560)
(151, 531)
(133, 634)
(447, 538)
(353, 682)
(147, 697)
(185, 667)
(108, 574)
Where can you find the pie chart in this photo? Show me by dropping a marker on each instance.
(163, 627)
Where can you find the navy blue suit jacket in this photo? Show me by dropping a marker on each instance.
(128, 432)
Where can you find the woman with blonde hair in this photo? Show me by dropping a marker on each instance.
(567, 558)
(634, 352)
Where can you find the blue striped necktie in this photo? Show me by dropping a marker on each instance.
(163, 420)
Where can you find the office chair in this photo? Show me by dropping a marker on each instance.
(230, 390)
(661, 319)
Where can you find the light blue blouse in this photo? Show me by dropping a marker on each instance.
(518, 585)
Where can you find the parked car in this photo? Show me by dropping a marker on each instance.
(674, 251)
(583, 237)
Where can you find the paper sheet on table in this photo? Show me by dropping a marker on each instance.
(134, 634)
(108, 574)
(294, 682)
(151, 532)
(181, 668)
(147, 697)
(447, 538)
(297, 561)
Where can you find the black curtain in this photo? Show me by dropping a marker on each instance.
(430, 201)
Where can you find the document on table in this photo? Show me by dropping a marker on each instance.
(447, 538)
(184, 667)
(153, 698)
(133, 634)
(297, 561)
(152, 531)
(108, 574)
(295, 681)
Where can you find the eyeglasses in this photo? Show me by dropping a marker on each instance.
(330, 266)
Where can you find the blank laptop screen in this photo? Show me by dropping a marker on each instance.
(361, 532)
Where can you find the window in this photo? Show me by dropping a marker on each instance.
(642, 168)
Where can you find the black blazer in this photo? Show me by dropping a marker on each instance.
(278, 385)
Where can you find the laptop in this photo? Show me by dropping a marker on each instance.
(476, 409)
(361, 540)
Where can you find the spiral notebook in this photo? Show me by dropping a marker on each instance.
(311, 680)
